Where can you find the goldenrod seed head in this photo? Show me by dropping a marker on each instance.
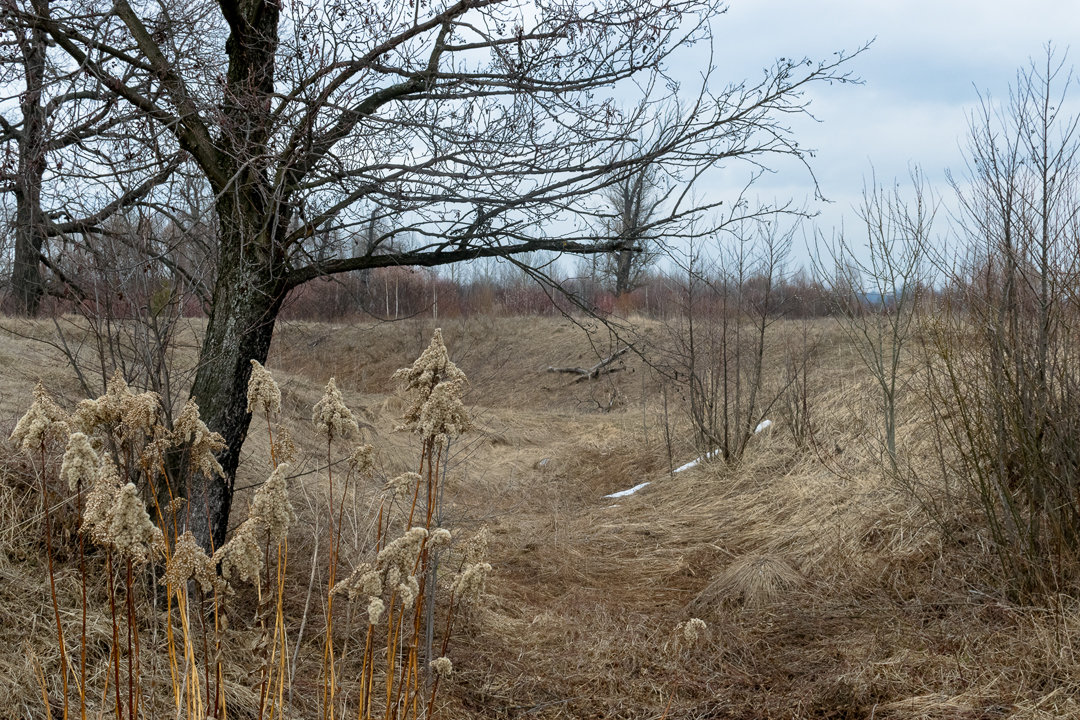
(100, 500)
(432, 368)
(408, 591)
(202, 443)
(691, 630)
(189, 560)
(398, 558)
(174, 506)
(152, 456)
(80, 464)
(470, 584)
(401, 484)
(263, 393)
(106, 411)
(241, 555)
(439, 538)
(331, 417)
(475, 548)
(362, 460)
(44, 421)
(284, 448)
(371, 583)
(138, 414)
(443, 415)
(442, 667)
(271, 504)
(128, 529)
(375, 610)
(351, 583)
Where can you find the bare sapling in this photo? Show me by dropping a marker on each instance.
(876, 292)
(716, 355)
(1002, 350)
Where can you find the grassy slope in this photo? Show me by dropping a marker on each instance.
(826, 592)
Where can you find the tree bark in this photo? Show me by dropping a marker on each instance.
(30, 224)
(247, 297)
(251, 280)
(624, 266)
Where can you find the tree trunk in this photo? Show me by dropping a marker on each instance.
(624, 265)
(251, 283)
(248, 294)
(30, 228)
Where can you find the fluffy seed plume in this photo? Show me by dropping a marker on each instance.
(442, 667)
(42, 422)
(189, 429)
(189, 560)
(263, 393)
(401, 484)
(420, 380)
(691, 630)
(408, 591)
(439, 538)
(283, 446)
(400, 555)
(106, 411)
(175, 505)
(152, 456)
(80, 463)
(443, 415)
(271, 505)
(363, 580)
(475, 548)
(351, 583)
(375, 610)
(362, 460)
(128, 528)
(241, 556)
(139, 414)
(331, 417)
(470, 584)
(100, 500)
(371, 583)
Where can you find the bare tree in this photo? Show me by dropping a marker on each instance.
(715, 352)
(1005, 388)
(483, 127)
(635, 201)
(877, 285)
(79, 157)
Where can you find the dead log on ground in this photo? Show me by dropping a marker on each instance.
(601, 368)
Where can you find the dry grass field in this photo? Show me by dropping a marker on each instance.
(825, 590)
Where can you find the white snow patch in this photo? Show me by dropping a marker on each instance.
(624, 493)
(763, 425)
(693, 463)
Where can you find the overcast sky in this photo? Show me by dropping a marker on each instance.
(920, 76)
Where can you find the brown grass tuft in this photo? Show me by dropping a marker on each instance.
(754, 580)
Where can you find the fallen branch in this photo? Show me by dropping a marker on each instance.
(600, 368)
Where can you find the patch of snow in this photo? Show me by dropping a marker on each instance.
(624, 493)
(693, 463)
(765, 424)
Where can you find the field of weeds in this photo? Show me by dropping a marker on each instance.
(800, 582)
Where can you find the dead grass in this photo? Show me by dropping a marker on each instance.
(827, 592)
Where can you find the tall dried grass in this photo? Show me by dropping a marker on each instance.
(889, 617)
